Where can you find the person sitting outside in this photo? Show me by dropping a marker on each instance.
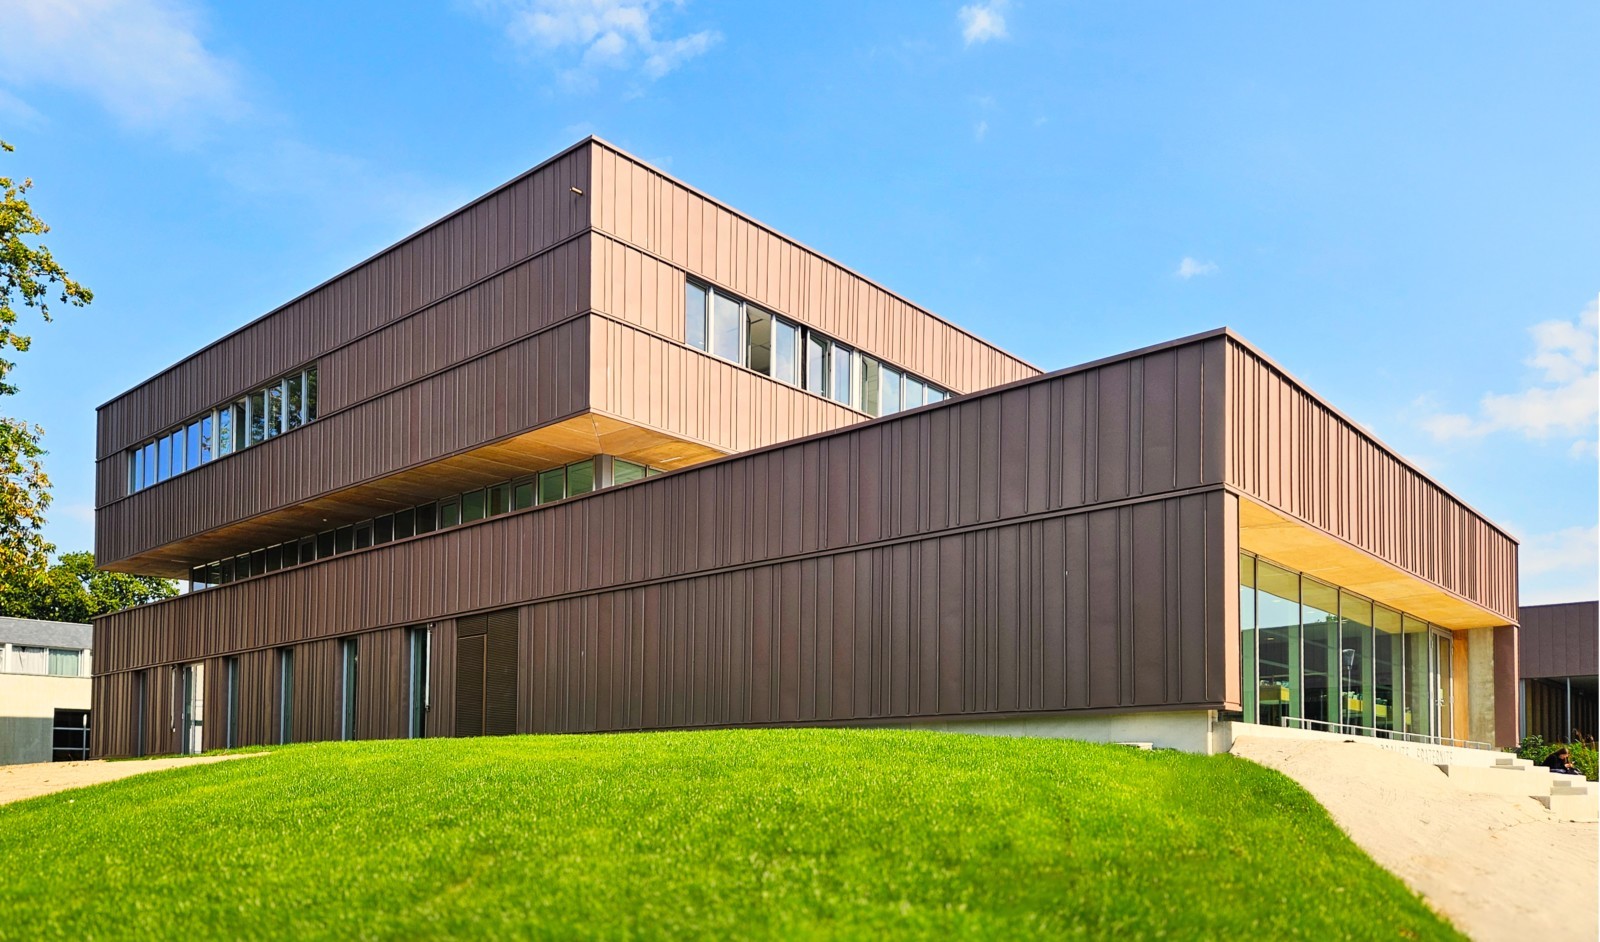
(1560, 761)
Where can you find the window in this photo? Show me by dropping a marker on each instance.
(308, 549)
(292, 401)
(694, 324)
(285, 695)
(622, 472)
(231, 678)
(164, 459)
(522, 495)
(785, 352)
(405, 523)
(817, 347)
(383, 528)
(891, 392)
(65, 663)
(473, 506)
(344, 539)
(868, 396)
(449, 512)
(274, 558)
(274, 395)
(256, 416)
(725, 317)
(552, 485)
(419, 683)
(499, 499)
(427, 518)
(207, 444)
(30, 660)
(363, 534)
(191, 441)
(326, 541)
(178, 454)
(758, 340)
(580, 477)
(309, 380)
(915, 393)
(843, 362)
(347, 689)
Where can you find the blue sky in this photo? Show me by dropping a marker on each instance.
(1395, 201)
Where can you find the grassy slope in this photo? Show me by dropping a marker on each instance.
(725, 833)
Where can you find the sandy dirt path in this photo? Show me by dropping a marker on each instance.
(43, 778)
(1496, 866)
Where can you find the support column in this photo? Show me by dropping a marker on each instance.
(1481, 687)
(1507, 686)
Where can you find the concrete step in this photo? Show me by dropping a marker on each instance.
(1524, 780)
(1572, 800)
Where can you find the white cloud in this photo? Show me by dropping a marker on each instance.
(1190, 268)
(982, 22)
(142, 60)
(980, 130)
(611, 34)
(1562, 402)
(1560, 566)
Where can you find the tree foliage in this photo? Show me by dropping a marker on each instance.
(29, 275)
(73, 590)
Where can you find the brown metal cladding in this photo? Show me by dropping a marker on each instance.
(1293, 452)
(664, 218)
(524, 385)
(1560, 640)
(531, 213)
(642, 379)
(1038, 547)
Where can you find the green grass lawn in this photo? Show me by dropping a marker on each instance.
(737, 833)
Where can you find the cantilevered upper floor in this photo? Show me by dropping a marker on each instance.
(589, 321)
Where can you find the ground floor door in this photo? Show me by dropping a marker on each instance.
(1441, 679)
(486, 674)
(193, 692)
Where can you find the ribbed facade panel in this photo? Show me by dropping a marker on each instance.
(1561, 640)
(645, 208)
(958, 559)
(1293, 452)
(521, 386)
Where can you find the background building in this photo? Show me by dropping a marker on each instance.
(1559, 664)
(44, 690)
(428, 498)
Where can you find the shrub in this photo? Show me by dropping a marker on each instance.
(1584, 757)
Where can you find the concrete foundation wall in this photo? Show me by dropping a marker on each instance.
(1188, 730)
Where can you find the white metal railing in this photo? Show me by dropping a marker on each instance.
(1377, 733)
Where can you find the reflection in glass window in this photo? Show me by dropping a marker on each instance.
(191, 444)
(256, 416)
(164, 465)
(1247, 637)
(1386, 659)
(1319, 639)
(499, 499)
(580, 477)
(1416, 640)
(843, 360)
(817, 363)
(474, 505)
(449, 513)
(891, 391)
(552, 485)
(207, 439)
(786, 352)
(309, 394)
(292, 402)
(178, 454)
(623, 472)
(867, 399)
(1355, 661)
(725, 317)
(274, 395)
(694, 323)
(758, 340)
(522, 496)
(1278, 620)
(915, 393)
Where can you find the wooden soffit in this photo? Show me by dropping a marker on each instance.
(1298, 545)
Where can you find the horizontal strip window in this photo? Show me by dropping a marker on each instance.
(742, 333)
(579, 477)
(53, 662)
(265, 413)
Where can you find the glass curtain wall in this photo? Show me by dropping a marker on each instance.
(1336, 660)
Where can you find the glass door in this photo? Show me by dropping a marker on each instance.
(194, 695)
(1442, 684)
